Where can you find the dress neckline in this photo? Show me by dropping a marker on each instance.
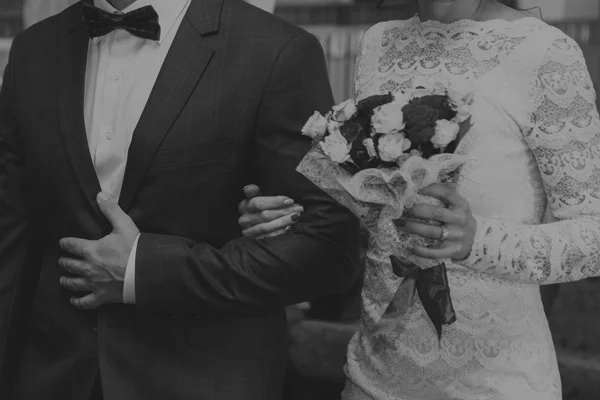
(465, 22)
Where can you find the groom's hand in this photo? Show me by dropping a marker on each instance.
(99, 265)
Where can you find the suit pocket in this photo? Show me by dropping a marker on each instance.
(205, 153)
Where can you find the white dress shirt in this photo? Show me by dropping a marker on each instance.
(121, 72)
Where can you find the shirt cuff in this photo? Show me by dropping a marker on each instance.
(129, 283)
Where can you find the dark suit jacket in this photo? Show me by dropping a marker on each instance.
(226, 110)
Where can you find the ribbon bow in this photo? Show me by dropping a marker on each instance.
(142, 22)
(434, 292)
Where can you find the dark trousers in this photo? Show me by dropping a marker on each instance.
(97, 390)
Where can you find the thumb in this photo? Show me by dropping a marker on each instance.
(251, 191)
(113, 213)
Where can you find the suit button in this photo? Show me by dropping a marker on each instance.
(95, 330)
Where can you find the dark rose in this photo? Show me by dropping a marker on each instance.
(420, 122)
(360, 154)
(368, 104)
(439, 103)
(350, 130)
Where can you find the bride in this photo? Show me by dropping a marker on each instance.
(533, 147)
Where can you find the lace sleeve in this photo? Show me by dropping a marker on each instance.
(565, 140)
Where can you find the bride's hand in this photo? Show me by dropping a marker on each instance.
(457, 220)
(263, 216)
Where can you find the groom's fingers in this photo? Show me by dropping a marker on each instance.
(88, 302)
(76, 284)
(78, 247)
(75, 267)
(120, 221)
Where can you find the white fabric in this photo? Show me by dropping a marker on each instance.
(534, 144)
(266, 5)
(121, 71)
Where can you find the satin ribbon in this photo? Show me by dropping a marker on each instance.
(434, 292)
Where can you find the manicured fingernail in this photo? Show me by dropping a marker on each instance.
(246, 187)
(288, 202)
(295, 217)
(297, 209)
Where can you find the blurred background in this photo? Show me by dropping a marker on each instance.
(320, 331)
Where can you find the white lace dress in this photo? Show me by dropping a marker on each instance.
(534, 146)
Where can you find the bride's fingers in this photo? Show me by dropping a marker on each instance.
(251, 191)
(434, 213)
(428, 231)
(273, 234)
(445, 194)
(263, 203)
(448, 250)
(271, 227)
(249, 220)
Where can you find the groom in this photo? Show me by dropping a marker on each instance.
(169, 108)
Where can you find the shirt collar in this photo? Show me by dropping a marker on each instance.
(168, 12)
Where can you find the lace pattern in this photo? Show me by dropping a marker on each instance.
(532, 180)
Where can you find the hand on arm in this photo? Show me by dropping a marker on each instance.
(267, 216)
(318, 258)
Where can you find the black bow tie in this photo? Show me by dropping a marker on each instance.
(142, 22)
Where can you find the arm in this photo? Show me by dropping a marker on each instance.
(319, 257)
(14, 230)
(565, 141)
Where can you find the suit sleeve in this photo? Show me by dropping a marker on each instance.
(318, 258)
(15, 240)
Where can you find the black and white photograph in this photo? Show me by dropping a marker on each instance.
(299, 200)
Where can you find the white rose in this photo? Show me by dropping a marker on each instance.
(461, 93)
(336, 146)
(445, 132)
(392, 146)
(333, 126)
(401, 98)
(344, 111)
(370, 145)
(315, 127)
(388, 118)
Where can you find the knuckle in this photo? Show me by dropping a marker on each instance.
(438, 214)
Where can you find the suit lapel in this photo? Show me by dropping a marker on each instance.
(184, 66)
(72, 56)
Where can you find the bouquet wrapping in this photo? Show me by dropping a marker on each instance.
(373, 156)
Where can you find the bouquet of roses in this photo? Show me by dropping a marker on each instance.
(373, 156)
